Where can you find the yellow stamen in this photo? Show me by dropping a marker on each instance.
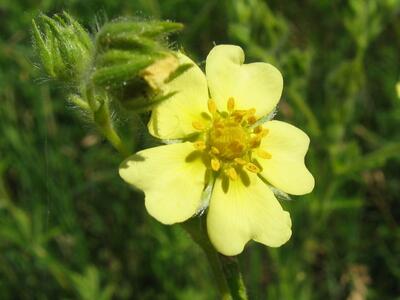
(258, 129)
(198, 126)
(231, 172)
(214, 150)
(231, 104)
(230, 139)
(251, 119)
(252, 168)
(238, 118)
(263, 154)
(255, 141)
(215, 164)
(240, 161)
(212, 107)
(199, 145)
(241, 113)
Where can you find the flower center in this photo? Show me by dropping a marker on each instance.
(228, 139)
(231, 140)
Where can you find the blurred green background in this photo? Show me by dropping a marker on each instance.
(71, 229)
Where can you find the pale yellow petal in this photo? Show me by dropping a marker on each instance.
(239, 213)
(171, 177)
(286, 169)
(255, 85)
(173, 118)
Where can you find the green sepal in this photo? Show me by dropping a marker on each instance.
(43, 51)
(128, 41)
(118, 74)
(150, 29)
(113, 57)
(81, 33)
(64, 47)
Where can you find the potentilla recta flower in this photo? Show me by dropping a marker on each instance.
(218, 117)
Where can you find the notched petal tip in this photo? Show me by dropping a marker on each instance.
(231, 52)
(257, 85)
(243, 213)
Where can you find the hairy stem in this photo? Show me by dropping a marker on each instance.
(102, 118)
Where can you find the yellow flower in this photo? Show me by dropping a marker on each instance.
(229, 141)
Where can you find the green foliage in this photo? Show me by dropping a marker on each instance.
(70, 229)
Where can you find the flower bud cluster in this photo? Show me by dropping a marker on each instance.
(128, 61)
(125, 62)
(64, 47)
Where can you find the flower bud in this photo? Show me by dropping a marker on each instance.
(64, 47)
(133, 61)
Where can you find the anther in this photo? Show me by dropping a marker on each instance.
(231, 172)
(212, 107)
(240, 161)
(251, 119)
(263, 154)
(198, 126)
(252, 168)
(200, 145)
(231, 104)
(255, 141)
(238, 118)
(215, 164)
(258, 129)
(241, 113)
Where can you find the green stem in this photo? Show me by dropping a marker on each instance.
(101, 116)
(225, 269)
(114, 139)
(234, 277)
